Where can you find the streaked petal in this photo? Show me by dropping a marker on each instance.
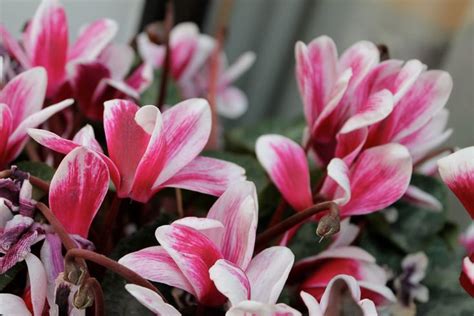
(314, 309)
(335, 288)
(150, 52)
(360, 58)
(117, 58)
(154, 264)
(151, 300)
(285, 162)
(231, 103)
(194, 254)
(25, 93)
(237, 210)
(457, 171)
(211, 228)
(38, 283)
(77, 190)
(48, 41)
(5, 129)
(350, 144)
(379, 177)
(12, 46)
(12, 305)
(86, 137)
(52, 141)
(141, 78)
(201, 48)
(186, 127)
(92, 39)
(231, 281)
(267, 273)
(207, 175)
(337, 181)
(421, 198)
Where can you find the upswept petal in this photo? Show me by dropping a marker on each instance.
(154, 263)
(117, 58)
(314, 309)
(150, 52)
(92, 39)
(126, 140)
(38, 283)
(268, 272)
(151, 163)
(77, 190)
(361, 58)
(285, 162)
(207, 175)
(12, 46)
(151, 300)
(231, 102)
(86, 137)
(335, 285)
(5, 129)
(240, 66)
(12, 305)
(337, 177)
(350, 144)
(316, 72)
(48, 41)
(231, 281)
(25, 93)
(186, 127)
(457, 171)
(422, 198)
(201, 48)
(194, 254)
(237, 210)
(379, 177)
(141, 78)
(211, 228)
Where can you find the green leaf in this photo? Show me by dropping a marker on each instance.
(7, 277)
(117, 300)
(37, 169)
(243, 139)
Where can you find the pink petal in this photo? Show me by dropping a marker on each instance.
(457, 171)
(379, 177)
(19, 136)
(194, 254)
(350, 283)
(343, 252)
(126, 140)
(200, 48)
(25, 93)
(231, 281)
(368, 307)
(421, 198)
(468, 269)
(232, 103)
(285, 162)
(154, 263)
(5, 130)
(150, 52)
(347, 234)
(206, 175)
(92, 39)
(360, 58)
(337, 177)
(349, 145)
(86, 137)
(237, 210)
(184, 42)
(12, 46)
(377, 107)
(240, 66)
(12, 305)
(151, 163)
(258, 308)
(268, 272)
(141, 78)
(38, 283)
(211, 228)
(316, 71)
(186, 127)
(117, 58)
(378, 293)
(314, 309)
(52, 141)
(77, 190)
(151, 300)
(48, 41)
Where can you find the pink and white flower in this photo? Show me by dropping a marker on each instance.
(21, 102)
(45, 43)
(191, 246)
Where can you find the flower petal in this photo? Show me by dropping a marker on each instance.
(206, 175)
(421, 198)
(141, 78)
(347, 234)
(48, 41)
(211, 228)
(38, 281)
(194, 254)
(77, 190)
(285, 162)
(12, 46)
(467, 275)
(379, 177)
(25, 93)
(86, 137)
(150, 52)
(337, 177)
(117, 58)
(240, 66)
(92, 39)
(336, 287)
(360, 58)
(155, 264)
(237, 210)
(314, 309)
(457, 171)
(5, 129)
(350, 144)
(151, 300)
(267, 273)
(186, 127)
(231, 281)
(258, 308)
(231, 103)
(12, 305)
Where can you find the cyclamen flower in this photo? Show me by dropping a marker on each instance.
(45, 43)
(356, 101)
(386, 170)
(341, 258)
(408, 284)
(21, 102)
(150, 151)
(191, 246)
(457, 171)
(330, 301)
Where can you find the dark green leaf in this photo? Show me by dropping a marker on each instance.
(37, 169)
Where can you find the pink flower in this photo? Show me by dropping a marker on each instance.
(94, 82)
(21, 102)
(191, 246)
(45, 42)
(356, 101)
(340, 258)
(331, 297)
(150, 151)
(385, 169)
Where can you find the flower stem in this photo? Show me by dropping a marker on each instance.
(109, 222)
(57, 226)
(294, 220)
(179, 202)
(169, 21)
(109, 264)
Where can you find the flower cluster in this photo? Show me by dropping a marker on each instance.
(371, 124)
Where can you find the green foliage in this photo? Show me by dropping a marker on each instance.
(37, 169)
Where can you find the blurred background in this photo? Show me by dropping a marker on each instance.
(438, 32)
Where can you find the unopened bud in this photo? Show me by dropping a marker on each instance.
(328, 225)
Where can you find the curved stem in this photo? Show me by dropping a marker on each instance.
(110, 264)
(98, 296)
(294, 220)
(169, 20)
